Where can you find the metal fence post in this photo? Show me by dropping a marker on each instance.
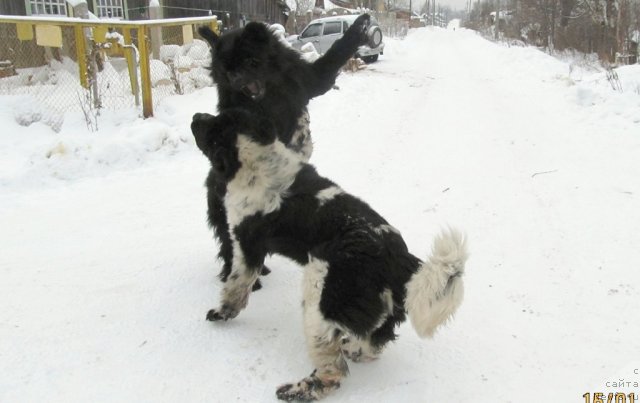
(215, 25)
(130, 56)
(155, 33)
(81, 9)
(145, 73)
(26, 53)
(81, 54)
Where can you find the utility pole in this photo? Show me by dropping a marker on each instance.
(434, 12)
(497, 21)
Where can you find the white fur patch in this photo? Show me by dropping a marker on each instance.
(313, 282)
(301, 140)
(329, 193)
(436, 290)
(322, 339)
(265, 174)
(386, 228)
(359, 350)
(387, 300)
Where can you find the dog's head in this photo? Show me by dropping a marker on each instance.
(218, 138)
(241, 59)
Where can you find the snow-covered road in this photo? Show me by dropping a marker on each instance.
(107, 266)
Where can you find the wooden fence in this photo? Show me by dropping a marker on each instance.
(32, 42)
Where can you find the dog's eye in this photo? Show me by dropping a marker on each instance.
(253, 62)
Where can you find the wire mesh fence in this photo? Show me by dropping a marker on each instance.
(77, 65)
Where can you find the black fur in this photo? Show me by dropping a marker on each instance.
(255, 72)
(364, 261)
(253, 55)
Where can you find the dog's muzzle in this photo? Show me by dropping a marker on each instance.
(253, 89)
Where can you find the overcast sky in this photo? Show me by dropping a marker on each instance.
(454, 4)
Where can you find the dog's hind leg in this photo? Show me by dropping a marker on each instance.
(369, 348)
(359, 350)
(323, 342)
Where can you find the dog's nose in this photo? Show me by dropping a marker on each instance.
(199, 116)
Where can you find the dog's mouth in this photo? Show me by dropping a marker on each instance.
(253, 89)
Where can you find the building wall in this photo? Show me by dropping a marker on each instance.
(13, 7)
(230, 12)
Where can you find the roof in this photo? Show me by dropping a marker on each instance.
(349, 18)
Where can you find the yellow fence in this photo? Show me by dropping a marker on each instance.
(72, 63)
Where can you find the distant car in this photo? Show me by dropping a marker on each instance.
(323, 32)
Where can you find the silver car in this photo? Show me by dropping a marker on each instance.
(323, 32)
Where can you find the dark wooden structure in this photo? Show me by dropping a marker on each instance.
(12, 7)
(233, 13)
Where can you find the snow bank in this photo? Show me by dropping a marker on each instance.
(36, 149)
(197, 51)
(130, 141)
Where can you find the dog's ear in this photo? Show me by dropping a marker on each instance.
(208, 34)
(256, 32)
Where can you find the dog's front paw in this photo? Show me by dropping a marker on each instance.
(309, 389)
(360, 28)
(225, 312)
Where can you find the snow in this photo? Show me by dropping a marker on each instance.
(75, 3)
(108, 268)
(119, 38)
(309, 52)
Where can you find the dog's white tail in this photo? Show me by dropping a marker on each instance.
(435, 291)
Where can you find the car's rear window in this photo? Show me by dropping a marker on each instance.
(332, 28)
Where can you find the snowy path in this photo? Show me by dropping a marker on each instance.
(106, 278)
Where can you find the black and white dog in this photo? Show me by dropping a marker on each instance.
(359, 278)
(254, 71)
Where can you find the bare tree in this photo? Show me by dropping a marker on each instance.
(605, 27)
(302, 6)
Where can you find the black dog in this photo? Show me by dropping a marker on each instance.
(359, 277)
(255, 72)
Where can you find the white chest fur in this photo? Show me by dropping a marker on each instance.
(266, 172)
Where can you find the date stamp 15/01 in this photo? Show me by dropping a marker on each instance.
(610, 397)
